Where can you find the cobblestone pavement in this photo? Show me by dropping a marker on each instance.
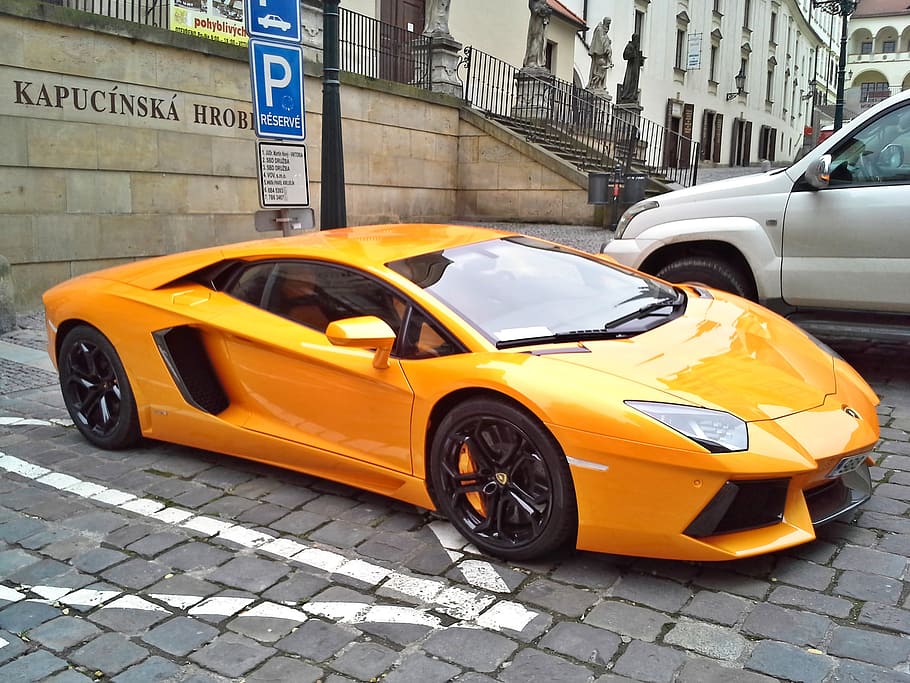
(165, 563)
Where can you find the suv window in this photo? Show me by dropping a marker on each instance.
(877, 154)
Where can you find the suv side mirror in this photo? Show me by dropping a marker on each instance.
(818, 175)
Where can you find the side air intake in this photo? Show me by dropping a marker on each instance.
(186, 359)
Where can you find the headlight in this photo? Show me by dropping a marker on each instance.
(716, 430)
(631, 213)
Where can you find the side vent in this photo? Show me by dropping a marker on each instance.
(189, 365)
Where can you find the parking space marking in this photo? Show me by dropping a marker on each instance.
(437, 593)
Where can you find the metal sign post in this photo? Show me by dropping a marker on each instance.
(276, 75)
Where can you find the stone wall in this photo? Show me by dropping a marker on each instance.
(119, 141)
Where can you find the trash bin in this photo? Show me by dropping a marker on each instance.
(600, 188)
(633, 189)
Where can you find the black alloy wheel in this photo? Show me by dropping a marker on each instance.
(96, 390)
(503, 481)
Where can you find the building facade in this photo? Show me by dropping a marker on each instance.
(878, 59)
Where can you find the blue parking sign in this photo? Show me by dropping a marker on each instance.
(273, 19)
(276, 71)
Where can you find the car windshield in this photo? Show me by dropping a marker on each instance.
(519, 290)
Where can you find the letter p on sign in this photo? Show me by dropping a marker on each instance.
(276, 72)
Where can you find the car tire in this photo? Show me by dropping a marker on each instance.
(710, 271)
(96, 390)
(502, 480)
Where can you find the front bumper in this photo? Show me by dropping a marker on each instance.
(637, 499)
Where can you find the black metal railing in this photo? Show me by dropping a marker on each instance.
(575, 123)
(379, 50)
(147, 12)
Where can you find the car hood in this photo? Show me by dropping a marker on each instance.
(722, 354)
(736, 188)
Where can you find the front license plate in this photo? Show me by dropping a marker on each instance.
(848, 464)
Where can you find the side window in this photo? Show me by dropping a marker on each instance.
(315, 294)
(877, 154)
(424, 339)
(250, 285)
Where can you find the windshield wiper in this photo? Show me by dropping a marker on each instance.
(645, 311)
(556, 337)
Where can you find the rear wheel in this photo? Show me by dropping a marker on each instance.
(96, 390)
(710, 271)
(503, 481)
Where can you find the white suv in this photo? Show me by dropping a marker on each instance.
(828, 237)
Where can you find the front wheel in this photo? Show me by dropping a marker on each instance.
(96, 390)
(503, 481)
(710, 271)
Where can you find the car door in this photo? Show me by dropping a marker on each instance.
(847, 246)
(296, 384)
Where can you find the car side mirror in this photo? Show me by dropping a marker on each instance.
(818, 175)
(366, 332)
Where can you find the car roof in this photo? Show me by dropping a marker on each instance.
(368, 247)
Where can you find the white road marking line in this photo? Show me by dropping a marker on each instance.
(135, 602)
(345, 612)
(51, 593)
(272, 610)
(480, 574)
(178, 601)
(10, 595)
(221, 606)
(483, 575)
(506, 614)
(58, 480)
(3, 643)
(87, 597)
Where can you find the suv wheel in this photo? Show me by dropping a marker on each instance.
(709, 271)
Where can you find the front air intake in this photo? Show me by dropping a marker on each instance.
(741, 505)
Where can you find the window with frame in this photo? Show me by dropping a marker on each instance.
(680, 48)
(772, 37)
(769, 88)
(865, 47)
(314, 294)
(889, 46)
(712, 67)
(878, 154)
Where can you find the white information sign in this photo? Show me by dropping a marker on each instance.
(693, 51)
(283, 178)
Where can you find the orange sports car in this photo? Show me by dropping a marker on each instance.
(535, 395)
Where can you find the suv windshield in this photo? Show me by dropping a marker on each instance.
(519, 290)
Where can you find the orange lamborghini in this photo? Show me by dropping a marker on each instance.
(534, 395)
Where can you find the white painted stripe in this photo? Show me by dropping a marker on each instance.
(283, 547)
(135, 602)
(363, 571)
(463, 604)
(506, 615)
(58, 480)
(483, 575)
(10, 595)
(50, 593)
(112, 497)
(392, 614)
(85, 489)
(478, 573)
(178, 601)
(346, 612)
(142, 506)
(86, 597)
(221, 606)
(245, 537)
(272, 610)
(23, 422)
(206, 525)
(172, 515)
(25, 469)
(3, 643)
(447, 535)
(62, 421)
(321, 559)
(422, 589)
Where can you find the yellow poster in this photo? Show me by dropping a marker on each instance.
(220, 20)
